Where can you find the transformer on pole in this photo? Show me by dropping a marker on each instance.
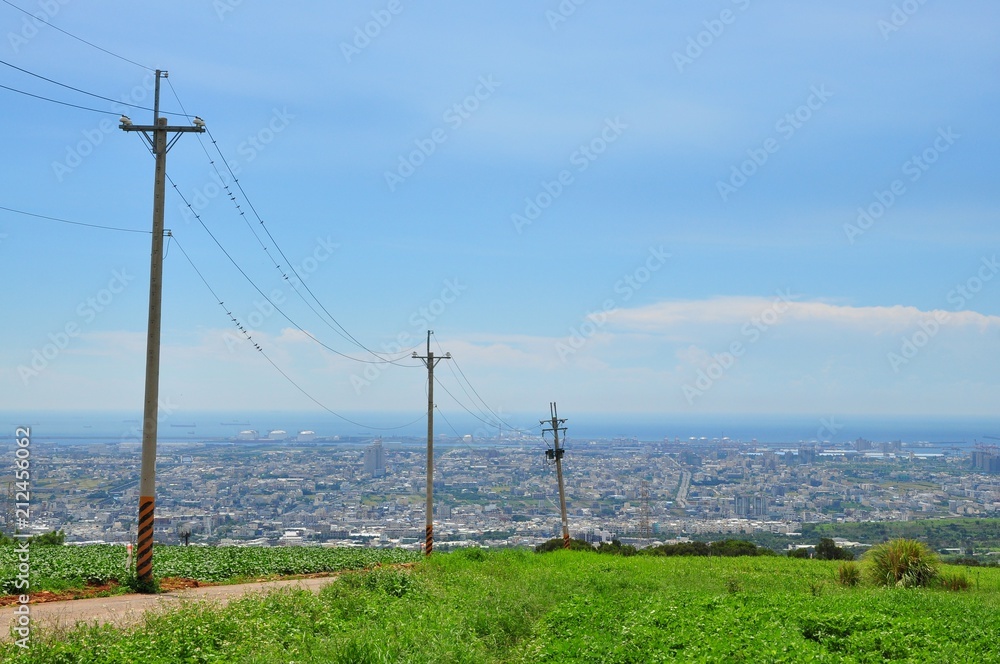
(556, 453)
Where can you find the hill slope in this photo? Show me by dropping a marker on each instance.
(515, 606)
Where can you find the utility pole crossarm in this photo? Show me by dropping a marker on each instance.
(556, 426)
(156, 135)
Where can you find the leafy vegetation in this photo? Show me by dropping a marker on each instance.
(828, 550)
(954, 581)
(849, 574)
(902, 563)
(516, 607)
(61, 567)
(54, 538)
(936, 533)
(729, 547)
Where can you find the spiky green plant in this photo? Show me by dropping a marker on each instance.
(954, 581)
(902, 563)
(849, 574)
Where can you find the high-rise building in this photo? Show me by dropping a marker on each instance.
(375, 459)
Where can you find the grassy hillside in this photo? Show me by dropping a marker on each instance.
(516, 606)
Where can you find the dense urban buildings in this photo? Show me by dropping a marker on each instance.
(371, 493)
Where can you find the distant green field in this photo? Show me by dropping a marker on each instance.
(60, 567)
(937, 533)
(516, 606)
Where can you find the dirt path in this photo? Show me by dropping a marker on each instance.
(126, 610)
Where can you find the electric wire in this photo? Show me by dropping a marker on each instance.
(90, 94)
(56, 101)
(462, 405)
(335, 326)
(272, 362)
(76, 223)
(489, 411)
(257, 288)
(253, 209)
(79, 39)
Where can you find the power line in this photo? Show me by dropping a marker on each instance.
(272, 362)
(89, 94)
(56, 101)
(462, 405)
(79, 39)
(336, 325)
(499, 420)
(261, 292)
(75, 223)
(253, 209)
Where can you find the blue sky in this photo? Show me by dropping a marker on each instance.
(623, 207)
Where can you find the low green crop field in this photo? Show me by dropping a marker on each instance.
(61, 567)
(517, 606)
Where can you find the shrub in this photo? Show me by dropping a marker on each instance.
(616, 548)
(954, 581)
(849, 574)
(902, 563)
(679, 549)
(827, 549)
(557, 545)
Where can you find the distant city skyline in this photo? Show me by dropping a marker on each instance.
(681, 211)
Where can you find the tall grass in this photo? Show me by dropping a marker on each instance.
(901, 563)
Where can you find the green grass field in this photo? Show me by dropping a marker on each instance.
(62, 567)
(516, 606)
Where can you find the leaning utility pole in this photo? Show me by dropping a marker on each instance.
(156, 135)
(557, 454)
(430, 361)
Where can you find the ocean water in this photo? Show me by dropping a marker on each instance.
(84, 426)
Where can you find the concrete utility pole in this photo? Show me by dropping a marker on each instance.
(430, 361)
(557, 454)
(156, 135)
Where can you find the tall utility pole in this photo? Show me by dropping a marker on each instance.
(430, 361)
(555, 426)
(156, 135)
